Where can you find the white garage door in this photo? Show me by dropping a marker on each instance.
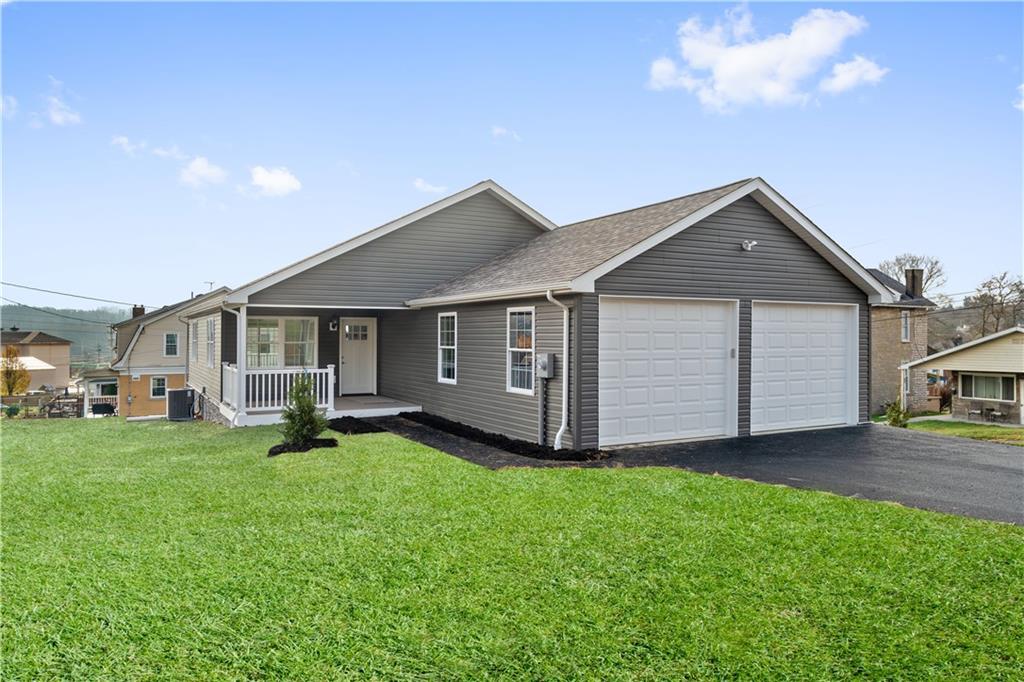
(803, 366)
(667, 370)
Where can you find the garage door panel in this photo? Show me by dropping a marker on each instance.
(664, 369)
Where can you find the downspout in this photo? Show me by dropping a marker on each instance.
(565, 369)
(239, 339)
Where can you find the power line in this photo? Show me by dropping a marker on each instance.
(50, 312)
(64, 293)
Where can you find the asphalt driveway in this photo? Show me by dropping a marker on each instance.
(941, 473)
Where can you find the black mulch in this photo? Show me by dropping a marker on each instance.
(516, 447)
(350, 426)
(282, 448)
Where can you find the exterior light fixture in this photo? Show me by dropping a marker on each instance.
(749, 244)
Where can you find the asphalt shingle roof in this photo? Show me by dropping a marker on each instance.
(563, 254)
(901, 289)
(30, 336)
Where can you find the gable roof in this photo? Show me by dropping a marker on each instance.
(241, 294)
(964, 346)
(25, 337)
(573, 257)
(900, 289)
(157, 315)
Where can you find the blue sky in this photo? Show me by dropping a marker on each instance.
(150, 148)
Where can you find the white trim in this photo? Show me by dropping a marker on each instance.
(242, 293)
(193, 341)
(455, 348)
(1002, 375)
(533, 349)
(211, 342)
(177, 345)
(131, 346)
(964, 346)
(280, 320)
(131, 371)
(494, 295)
(904, 326)
(372, 332)
(151, 380)
(340, 306)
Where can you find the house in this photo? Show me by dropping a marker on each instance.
(899, 334)
(149, 352)
(987, 376)
(721, 313)
(46, 357)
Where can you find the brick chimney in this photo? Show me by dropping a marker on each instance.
(915, 282)
(139, 310)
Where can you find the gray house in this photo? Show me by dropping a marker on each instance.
(721, 313)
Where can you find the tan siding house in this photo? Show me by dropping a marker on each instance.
(47, 357)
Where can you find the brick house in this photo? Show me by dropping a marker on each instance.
(899, 335)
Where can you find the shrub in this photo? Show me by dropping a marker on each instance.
(895, 415)
(12, 410)
(302, 422)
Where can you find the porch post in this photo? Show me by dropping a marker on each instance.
(240, 358)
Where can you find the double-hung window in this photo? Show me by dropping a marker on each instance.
(157, 387)
(171, 345)
(211, 341)
(519, 373)
(447, 352)
(904, 326)
(988, 387)
(280, 342)
(193, 340)
(299, 342)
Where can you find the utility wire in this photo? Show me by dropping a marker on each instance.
(50, 312)
(64, 293)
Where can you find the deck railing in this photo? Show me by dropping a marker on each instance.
(229, 384)
(268, 389)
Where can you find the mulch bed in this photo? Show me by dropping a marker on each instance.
(350, 426)
(282, 448)
(518, 447)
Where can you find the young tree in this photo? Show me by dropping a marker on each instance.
(14, 378)
(301, 421)
(934, 272)
(999, 301)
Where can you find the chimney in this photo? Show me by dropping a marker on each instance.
(915, 282)
(138, 310)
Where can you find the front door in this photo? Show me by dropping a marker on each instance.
(358, 356)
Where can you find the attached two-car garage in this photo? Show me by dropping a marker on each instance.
(670, 369)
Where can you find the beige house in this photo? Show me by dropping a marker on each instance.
(899, 334)
(46, 357)
(149, 360)
(988, 376)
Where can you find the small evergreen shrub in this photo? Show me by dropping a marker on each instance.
(12, 410)
(302, 421)
(895, 415)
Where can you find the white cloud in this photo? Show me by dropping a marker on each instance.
(848, 75)
(57, 110)
(9, 107)
(171, 152)
(424, 186)
(127, 146)
(199, 171)
(1019, 104)
(726, 66)
(274, 182)
(498, 132)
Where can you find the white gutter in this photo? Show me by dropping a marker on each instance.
(493, 295)
(565, 369)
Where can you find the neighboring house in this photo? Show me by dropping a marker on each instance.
(899, 334)
(721, 313)
(987, 376)
(149, 359)
(46, 357)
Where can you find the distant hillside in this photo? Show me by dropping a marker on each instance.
(90, 334)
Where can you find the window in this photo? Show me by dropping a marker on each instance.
(447, 339)
(193, 339)
(904, 326)
(282, 342)
(260, 343)
(211, 341)
(299, 343)
(171, 345)
(520, 351)
(988, 387)
(157, 387)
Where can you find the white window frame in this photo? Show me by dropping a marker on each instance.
(177, 345)
(960, 386)
(211, 341)
(280, 340)
(509, 388)
(454, 348)
(905, 326)
(194, 342)
(152, 380)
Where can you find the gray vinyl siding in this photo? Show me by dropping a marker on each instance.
(706, 260)
(408, 367)
(397, 267)
(588, 370)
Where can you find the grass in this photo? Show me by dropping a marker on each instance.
(179, 551)
(997, 434)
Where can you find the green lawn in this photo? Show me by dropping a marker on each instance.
(998, 434)
(179, 551)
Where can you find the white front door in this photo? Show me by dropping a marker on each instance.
(358, 356)
(667, 370)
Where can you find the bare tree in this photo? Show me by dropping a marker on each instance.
(934, 272)
(1000, 303)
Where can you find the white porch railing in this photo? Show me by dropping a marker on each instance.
(91, 400)
(268, 389)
